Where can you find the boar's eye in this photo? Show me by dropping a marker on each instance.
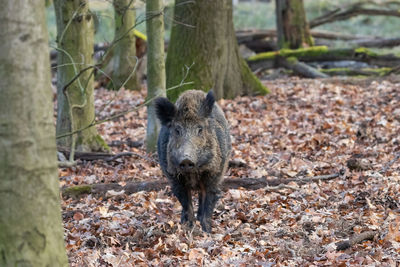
(199, 130)
(178, 131)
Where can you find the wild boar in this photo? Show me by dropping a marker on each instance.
(193, 147)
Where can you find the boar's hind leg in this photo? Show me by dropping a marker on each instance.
(184, 196)
(206, 208)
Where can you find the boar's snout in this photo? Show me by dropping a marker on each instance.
(186, 165)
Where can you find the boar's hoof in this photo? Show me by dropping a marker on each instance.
(187, 219)
(206, 225)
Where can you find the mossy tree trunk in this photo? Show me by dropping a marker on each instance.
(292, 27)
(155, 67)
(48, 2)
(124, 58)
(204, 40)
(31, 232)
(75, 39)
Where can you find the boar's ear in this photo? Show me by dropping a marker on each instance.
(165, 110)
(207, 105)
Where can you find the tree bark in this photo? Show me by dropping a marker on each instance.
(76, 102)
(155, 67)
(31, 232)
(292, 28)
(203, 41)
(124, 58)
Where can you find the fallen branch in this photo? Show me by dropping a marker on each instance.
(348, 71)
(301, 68)
(369, 235)
(230, 183)
(127, 142)
(322, 53)
(352, 11)
(246, 36)
(90, 156)
(390, 163)
(377, 42)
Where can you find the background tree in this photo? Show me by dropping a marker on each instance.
(155, 67)
(31, 232)
(292, 27)
(204, 38)
(75, 102)
(124, 58)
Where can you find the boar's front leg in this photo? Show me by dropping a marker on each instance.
(184, 196)
(207, 200)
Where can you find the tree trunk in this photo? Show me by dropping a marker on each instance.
(204, 40)
(155, 67)
(31, 232)
(292, 28)
(48, 3)
(76, 102)
(124, 59)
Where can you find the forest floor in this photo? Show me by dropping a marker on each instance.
(304, 128)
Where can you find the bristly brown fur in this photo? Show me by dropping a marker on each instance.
(198, 134)
(189, 104)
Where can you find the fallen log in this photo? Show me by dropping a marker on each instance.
(357, 72)
(322, 53)
(301, 68)
(231, 183)
(378, 42)
(251, 35)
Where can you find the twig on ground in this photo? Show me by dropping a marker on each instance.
(279, 187)
(369, 235)
(128, 154)
(320, 177)
(390, 163)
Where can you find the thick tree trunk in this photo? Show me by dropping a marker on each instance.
(155, 67)
(31, 232)
(76, 102)
(204, 40)
(292, 28)
(124, 58)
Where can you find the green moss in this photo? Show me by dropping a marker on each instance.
(292, 60)
(301, 52)
(97, 140)
(250, 80)
(76, 191)
(366, 51)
